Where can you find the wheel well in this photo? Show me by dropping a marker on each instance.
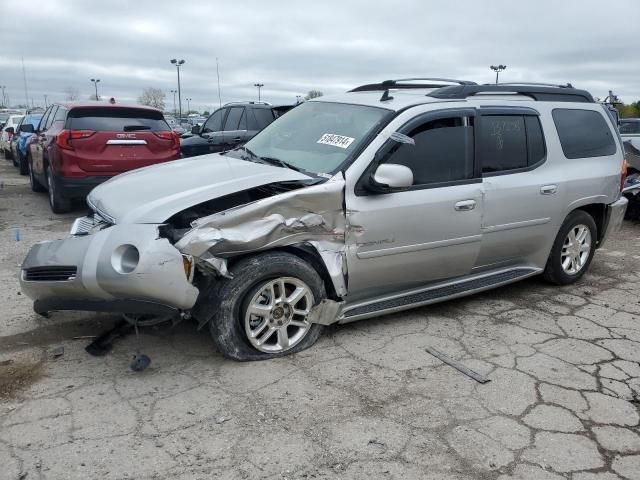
(309, 255)
(598, 212)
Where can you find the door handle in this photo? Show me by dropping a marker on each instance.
(237, 139)
(548, 189)
(465, 205)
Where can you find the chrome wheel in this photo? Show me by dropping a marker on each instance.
(276, 316)
(576, 249)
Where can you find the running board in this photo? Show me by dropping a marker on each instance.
(436, 293)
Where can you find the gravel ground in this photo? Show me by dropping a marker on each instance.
(366, 402)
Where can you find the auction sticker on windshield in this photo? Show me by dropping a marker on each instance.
(335, 140)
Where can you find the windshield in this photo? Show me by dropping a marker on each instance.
(317, 137)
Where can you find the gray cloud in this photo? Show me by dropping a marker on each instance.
(294, 46)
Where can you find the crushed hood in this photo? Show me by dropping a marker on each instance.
(153, 194)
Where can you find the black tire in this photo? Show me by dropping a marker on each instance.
(36, 186)
(56, 201)
(233, 295)
(7, 154)
(633, 208)
(23, 164)
(554, 272)
(16, 158)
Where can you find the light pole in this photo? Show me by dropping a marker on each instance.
(498, 69)
(259, 85)
(189, 105)
(95, 84)
(174, 101)
(4, 99)
(178, 63)
(46, 105)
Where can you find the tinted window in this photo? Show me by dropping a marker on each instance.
(233, 118)
(43, 123)
(535, 140)
(52, 114)
(629, 127)
(502, 143)
(214, 124)
(61, 114)
(116, 119)
(264, 116)
(242, 124)
(443, 152)
(583, 133)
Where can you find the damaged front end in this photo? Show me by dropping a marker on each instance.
(309, 220)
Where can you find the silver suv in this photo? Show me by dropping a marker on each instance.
(387, 197)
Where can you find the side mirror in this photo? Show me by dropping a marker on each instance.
(389, 177)
(195, 129)
(27, 128)
(10, 130)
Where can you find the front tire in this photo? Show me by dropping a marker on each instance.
(56, 201)
(35, 184)
(572, 250)
(23, 164)
(262, 311)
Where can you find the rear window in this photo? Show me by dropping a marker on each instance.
(264, 116)
(116, 120)
(583, 133)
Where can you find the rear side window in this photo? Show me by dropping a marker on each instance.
(443, 151)
(264, 116)
(583, 133)
(510, 142)
(116, 120)
(233, 119)
(61, 114)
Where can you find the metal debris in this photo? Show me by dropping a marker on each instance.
(457, 365)
(57, 352)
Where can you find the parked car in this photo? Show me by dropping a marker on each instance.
(19, 141)
(229, 127)
(630, 133)
(348, 207)
(8, 130)
(80, 145)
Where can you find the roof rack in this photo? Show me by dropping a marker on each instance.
(399, 84)
(246, 102)
(537, 84)
(540, 93)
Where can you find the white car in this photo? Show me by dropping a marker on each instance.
(5, 136)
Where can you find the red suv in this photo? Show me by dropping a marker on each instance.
(80, 145)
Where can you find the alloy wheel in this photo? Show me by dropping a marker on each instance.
(576, 249)
(276, 316)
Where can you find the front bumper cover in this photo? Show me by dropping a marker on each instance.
(156, 285)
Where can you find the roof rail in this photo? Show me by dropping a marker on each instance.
(399, 84)
(246, 102)
(537, 84)
(539, 93)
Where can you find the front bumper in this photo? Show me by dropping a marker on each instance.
(87, 273)
(615, 216)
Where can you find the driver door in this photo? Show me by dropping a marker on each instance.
(431, 231)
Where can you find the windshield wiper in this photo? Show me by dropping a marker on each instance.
(281, 163)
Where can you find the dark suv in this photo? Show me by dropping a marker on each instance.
(229, 127)
(80, 145)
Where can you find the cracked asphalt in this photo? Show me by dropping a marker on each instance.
(367, 402)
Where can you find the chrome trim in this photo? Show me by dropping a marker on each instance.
(514, 225)
(126, 142)
(419, 246)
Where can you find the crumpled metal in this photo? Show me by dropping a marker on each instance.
(311, 216)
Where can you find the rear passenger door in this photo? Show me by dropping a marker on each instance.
(522, 191)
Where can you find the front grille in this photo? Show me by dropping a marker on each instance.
(50, 274)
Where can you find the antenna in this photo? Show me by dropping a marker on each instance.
(218, 73)
(24, 78)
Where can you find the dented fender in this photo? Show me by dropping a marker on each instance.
(312, 216)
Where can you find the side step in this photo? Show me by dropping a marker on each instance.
(436, 293)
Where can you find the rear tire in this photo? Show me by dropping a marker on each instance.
(572, 250)
(7, 154)
(56, 201)
(231, 323)
(16, 158)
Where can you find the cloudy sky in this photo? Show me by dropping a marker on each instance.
(293, 46)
